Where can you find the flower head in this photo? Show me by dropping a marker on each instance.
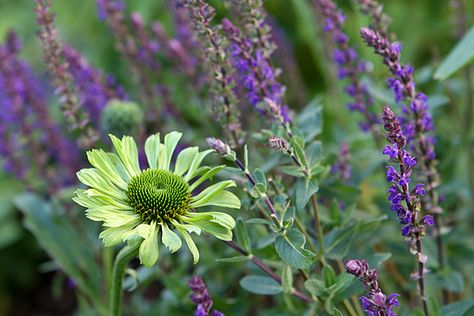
(160, 199)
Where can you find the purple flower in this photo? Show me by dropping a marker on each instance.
(348, 66)
(200, 297)
(376, 303)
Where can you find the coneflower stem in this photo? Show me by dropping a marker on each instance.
(124, 256)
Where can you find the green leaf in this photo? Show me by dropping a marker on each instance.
(290, 248)
(329, 276)
(260, 285)
(458, 309)
(242, 235)
(376, 259)
(297, 144)
(338, 241)
(287, 279)
(310, 120)
(461, 54)
(453, 282)
(304, 190)
(260, 178)
(292, 170)
(337, 312)
(60, 239)
(316, 287)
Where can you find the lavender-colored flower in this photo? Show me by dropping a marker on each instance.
(58, 68)
(416, 120)
(23, 112)
(348, 65)
(376, 303)
(374, 9)
(257, 75)
(342, 168)
(201, 298)
(404, 202)
(218, 62)
(93, 88)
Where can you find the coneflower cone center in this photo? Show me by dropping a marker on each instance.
(158, 195)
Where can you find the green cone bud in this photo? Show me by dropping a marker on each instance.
(121, 118)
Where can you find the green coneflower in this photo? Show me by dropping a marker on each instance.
(155, 201)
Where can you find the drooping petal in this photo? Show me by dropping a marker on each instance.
(152, 149)
(149, 251)
(218, 217)
(214, 228)
(189, 242)
(170, 239)
(184, 160)
(195, 164)
(210, 192)
(102, 161)
(111, 216)
(92, 178)
(128, 153)
(170, 142)
(115, 235)
(208, 174)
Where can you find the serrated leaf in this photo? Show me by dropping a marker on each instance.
(304, 190)
(260, 285)
(242, 235)
(459, 56)
(290, 248)
(458, 309)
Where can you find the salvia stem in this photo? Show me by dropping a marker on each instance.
(124, 256)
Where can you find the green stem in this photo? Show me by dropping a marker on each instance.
(120, 264)
(314, 206)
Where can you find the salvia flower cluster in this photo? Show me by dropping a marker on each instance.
(348, 64)
(201, 298)
(405, 202)
(23, 112)
(376, 303)
(417, 122)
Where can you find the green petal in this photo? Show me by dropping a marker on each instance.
(83, 199)
(149, 252)
(196, 163)
(214, 228)
(210, 193)
(184, 160)
(189, 242)
(207, 175)
(170, 239)
(152, 148)
(170, 142)
(115, 235)
(93, 178)
(128, 153)
(218, 217)
(107, 167)
(101, 199)
(111, 216)
(223, 199)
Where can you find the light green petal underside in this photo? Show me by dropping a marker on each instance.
(217, 217)
(93, 178)
(128, 153)
(195, 164)
(208, 174)
(170, 142)
(111, 216)
(115, 235)
(83, 199)
(184, 160)
(223, 199)
(170, 239)
(210, 193)
(103, 162)
(214, 223)
(152, 149)
(189, 242)
(106, 200)
(149, 251)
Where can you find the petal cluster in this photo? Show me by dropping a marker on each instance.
(108, 198)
